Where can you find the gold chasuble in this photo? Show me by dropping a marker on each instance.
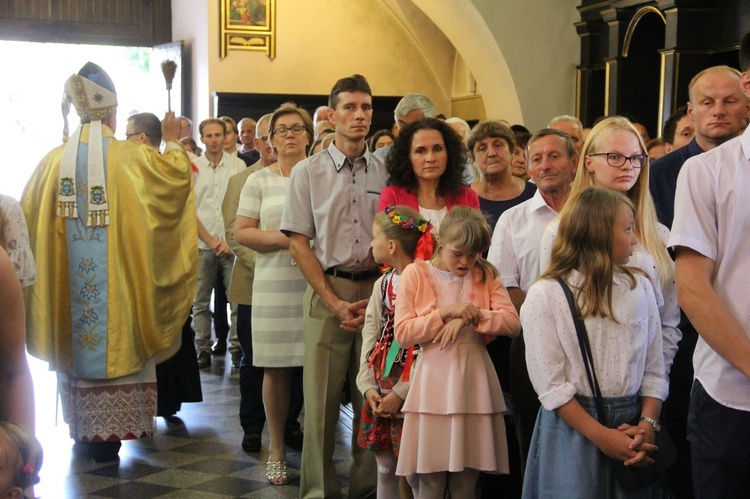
(97, 320)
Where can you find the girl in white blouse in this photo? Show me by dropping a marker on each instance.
(614, 157)
(569, 448)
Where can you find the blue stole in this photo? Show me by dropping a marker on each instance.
(87, 264)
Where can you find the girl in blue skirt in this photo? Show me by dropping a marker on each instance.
(570, 449)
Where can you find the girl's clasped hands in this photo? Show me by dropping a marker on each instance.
(456, 317)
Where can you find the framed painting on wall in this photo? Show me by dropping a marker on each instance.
(248, 25)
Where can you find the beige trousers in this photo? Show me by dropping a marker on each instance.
(331, 352)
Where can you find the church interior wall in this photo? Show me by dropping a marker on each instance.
(483, 65)
(541, 48)
(315, 47)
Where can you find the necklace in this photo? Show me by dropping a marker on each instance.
(286, 179)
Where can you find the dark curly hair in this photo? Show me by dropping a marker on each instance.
(401, 170)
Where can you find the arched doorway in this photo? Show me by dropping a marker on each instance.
(640, 70)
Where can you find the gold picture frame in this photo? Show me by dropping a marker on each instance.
(248, 25)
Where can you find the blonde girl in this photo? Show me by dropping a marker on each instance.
(569, 449)
(399, 233)
(614, 157)
(20, 460)
(452, 306)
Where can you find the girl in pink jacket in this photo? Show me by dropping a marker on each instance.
(452, 306)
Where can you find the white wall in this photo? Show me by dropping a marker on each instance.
(189, 24)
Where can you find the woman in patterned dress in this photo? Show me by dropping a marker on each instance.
(278, 286)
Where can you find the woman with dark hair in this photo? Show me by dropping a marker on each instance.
(380, 139)
(426, 165)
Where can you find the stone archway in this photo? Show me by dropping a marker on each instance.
(462, 24)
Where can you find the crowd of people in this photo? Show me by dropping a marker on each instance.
(510, 313)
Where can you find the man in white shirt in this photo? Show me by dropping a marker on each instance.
(712, 246)
(230, 141)
(214, 169)
(552, 159)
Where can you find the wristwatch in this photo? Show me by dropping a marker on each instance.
(652, 422)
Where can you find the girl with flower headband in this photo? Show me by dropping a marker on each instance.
(20, 460)
(399, 235)
(452, 306)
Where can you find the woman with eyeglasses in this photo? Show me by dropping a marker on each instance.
(614, 157)
(278, 285)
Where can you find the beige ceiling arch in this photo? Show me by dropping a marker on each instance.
(463, 25)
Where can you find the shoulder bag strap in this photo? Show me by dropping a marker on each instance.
(588, 359)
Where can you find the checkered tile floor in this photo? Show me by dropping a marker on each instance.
(194, 455)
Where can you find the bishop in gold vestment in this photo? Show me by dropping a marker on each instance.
(112, 227)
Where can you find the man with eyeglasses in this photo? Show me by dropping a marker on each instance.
(215, 168)
(177, 378)
(711, 241)
(719, 110)
(332, 201)
(144, 128)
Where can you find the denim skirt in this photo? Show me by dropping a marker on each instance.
(564, 463)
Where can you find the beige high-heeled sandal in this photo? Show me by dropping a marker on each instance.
(276, 472)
